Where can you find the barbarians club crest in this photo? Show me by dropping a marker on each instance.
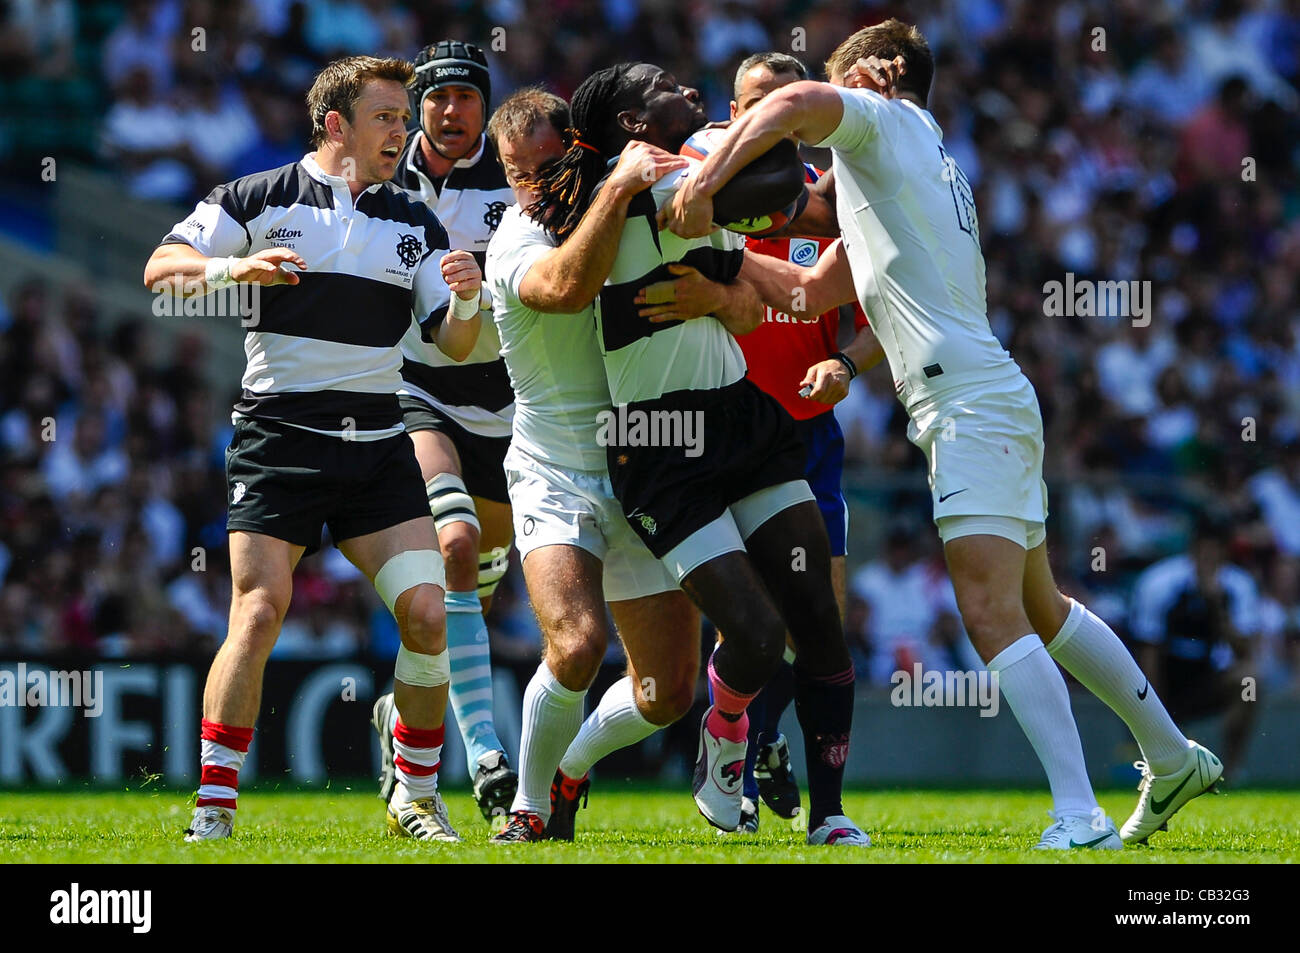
(492, 217)
(409, 249)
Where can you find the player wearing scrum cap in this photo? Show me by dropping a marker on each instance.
(458, 412)
(911, 256)
(318, 429)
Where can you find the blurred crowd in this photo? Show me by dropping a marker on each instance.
(1130, 141)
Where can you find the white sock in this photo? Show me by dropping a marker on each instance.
(552, 714)
(1036, 692)
(1090, 651)
(616, 723)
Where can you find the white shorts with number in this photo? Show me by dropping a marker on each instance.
(557, 506)
(984, 447)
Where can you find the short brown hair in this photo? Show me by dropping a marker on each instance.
(523, 111)
(778, 64)
(887, 40)
(338, 86)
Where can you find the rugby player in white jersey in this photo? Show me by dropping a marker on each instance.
(910, 254)
(318, 428)
(458, 412)
(578, 551)
(724, 507)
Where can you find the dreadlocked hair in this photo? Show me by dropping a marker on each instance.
(565, 186)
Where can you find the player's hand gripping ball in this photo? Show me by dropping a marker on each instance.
(764, 196)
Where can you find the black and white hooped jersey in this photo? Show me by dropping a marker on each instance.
(323, 354)
(469, 202)
(644, 360)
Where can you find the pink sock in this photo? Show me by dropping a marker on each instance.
(727, 701)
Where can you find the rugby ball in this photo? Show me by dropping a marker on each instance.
(763, 196)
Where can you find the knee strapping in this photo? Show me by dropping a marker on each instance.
(449, 501)
(414, 567)
(425, 671)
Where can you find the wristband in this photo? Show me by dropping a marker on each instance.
(463, 310)
(847, 362)
(216, 273)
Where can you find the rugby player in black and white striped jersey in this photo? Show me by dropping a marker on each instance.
(724, 506)
(344, 260)
(458, 413)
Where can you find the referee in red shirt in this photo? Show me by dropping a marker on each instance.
(799, 363)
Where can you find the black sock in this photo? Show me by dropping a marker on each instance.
(775, 697)
(824, 705)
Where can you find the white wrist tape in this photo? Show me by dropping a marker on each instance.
(406, 570)
(463, 310)
(484, 299)
(216, 273)
(425, 671)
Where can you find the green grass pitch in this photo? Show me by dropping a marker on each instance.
(626, 825)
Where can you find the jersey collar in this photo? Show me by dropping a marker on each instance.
(416, 162)
(314, 170)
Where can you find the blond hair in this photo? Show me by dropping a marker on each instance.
(888, 40)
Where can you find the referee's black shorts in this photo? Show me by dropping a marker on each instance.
(482, 459)
(288, 483)
(749, 443)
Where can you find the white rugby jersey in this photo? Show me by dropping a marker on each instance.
(643, 360)
(323, 354)
(553, 359)
(469, 202)
(912, 237)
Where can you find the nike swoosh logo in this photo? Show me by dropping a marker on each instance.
(953, 493)
(1091, 843)
(1160, 806)
(1142, 695)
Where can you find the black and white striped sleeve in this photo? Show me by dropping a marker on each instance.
(217, 227)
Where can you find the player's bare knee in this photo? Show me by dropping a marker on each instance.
(769, 642)
(663, 700)
(422, 619)
(991, 623)
(575, 652)
(459, 543)
(257, 617)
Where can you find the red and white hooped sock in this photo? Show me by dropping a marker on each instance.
(224, 748)
(417, 752)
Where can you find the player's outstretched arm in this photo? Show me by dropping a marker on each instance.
(736, 305)
(566, 280)
(458, 333)
(183, 269)
(807, 110)
(801, 292)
